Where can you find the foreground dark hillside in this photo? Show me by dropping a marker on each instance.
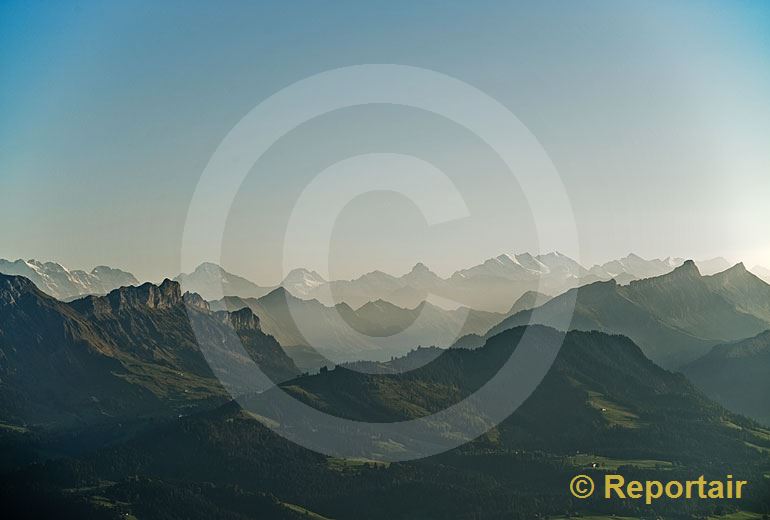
(601, 393)
(737, 375)
(603, 402)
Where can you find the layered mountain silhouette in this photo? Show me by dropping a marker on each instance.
(377, 330)
(634, 267)
(675, 318)
(129, 362)
(737, 375)
(63, 284)
(302, 283)
(492, 286)
(603, 406)
(712, 266)
(129, 353)
(212, 283)
(599, 389)
(528, 300)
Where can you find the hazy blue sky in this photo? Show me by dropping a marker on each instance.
(656, 114)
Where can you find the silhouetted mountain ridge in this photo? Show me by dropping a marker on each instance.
(675, 317)
(131, 352)
(376, 331)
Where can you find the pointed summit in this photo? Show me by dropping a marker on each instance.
(278, 292)
(421, 277)
(302, 282)
(212, 282)
(375, 276)
(737, 268)
(278, 296)
(301, 274)
(378, 306)
(209, 267)
(737, 274)
(419, 267)
(688, 268)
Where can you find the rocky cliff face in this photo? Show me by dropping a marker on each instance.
(131, 352)
(241, 320)
(162, 296)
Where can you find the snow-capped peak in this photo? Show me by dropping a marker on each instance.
(62, 283)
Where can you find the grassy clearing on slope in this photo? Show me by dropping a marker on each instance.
(611, 517)
(613, 413)
(347, 465)
(13, 427)
(762, 433)
(758, 448)
(306, 512)
(586, 460)
(168, 383)
(758, 432)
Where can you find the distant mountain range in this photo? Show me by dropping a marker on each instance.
(131, 352)
(212, 283)
(492, 286)
(675, 318)
(63, 284)
(377, 330)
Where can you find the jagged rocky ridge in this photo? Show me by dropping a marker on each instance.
(131, 352)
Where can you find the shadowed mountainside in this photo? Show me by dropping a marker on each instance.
(602, 403)
(737, 375)
(131, 352)
(674, 318)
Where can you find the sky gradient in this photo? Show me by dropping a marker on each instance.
(655, 114)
